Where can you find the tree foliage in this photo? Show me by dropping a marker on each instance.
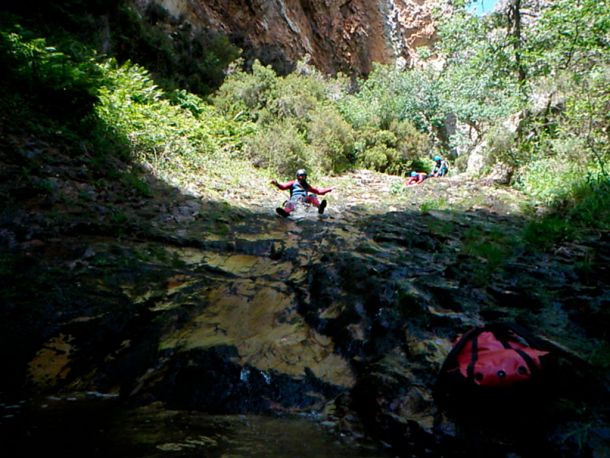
(544, 64)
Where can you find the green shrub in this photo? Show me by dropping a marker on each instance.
(359, 114)
(395, 151)
(297, 96)
(436, 203)
(544, 233)
(591, 203)
(373, 136)
(379, 157)
(243, 94)
(187, 100)
(410, 142)
(389, 95)
(549, 180)
(280, 148)
(332, 141)
(47, 73)
(375, 149)
(397, 187)
(132, 108)
(584, 207)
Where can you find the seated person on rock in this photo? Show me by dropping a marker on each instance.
(416, 178)
(301, 192)
(440, 167)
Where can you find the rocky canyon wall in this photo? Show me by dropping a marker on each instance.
(333, 35)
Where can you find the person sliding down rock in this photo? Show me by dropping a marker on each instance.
(300, 192)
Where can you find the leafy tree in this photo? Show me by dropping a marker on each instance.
(569, 52)
(476, 84)
(389, 95)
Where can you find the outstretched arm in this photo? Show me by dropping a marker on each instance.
(282, 186)
(320, 192)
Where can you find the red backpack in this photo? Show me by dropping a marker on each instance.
(495, 356)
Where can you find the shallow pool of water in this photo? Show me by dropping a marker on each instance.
(102, 427)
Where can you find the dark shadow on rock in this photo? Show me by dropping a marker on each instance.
(211, 381)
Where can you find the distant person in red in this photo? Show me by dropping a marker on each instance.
(301, 192)
(416, 178)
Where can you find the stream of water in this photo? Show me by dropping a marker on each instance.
(97, 426)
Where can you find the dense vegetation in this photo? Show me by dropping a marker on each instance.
(530, 92)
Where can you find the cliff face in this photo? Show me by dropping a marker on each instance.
(334, 35)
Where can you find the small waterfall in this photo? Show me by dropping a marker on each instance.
(395, 33)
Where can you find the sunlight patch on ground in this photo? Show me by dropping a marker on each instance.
(263, 324)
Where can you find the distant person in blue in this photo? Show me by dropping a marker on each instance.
(300, 192)
(440, 167)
